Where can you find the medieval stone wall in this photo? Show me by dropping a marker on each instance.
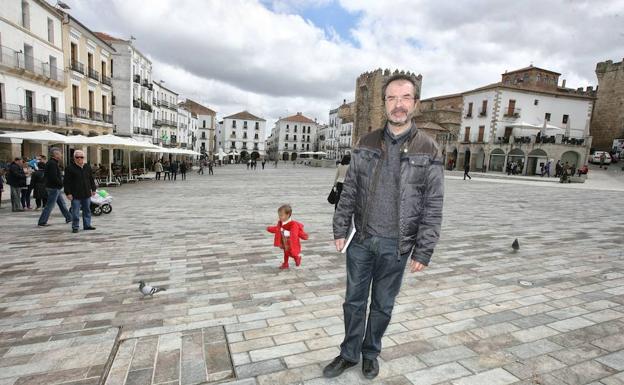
(608, 116)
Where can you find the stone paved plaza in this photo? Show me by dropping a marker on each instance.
(551, 313)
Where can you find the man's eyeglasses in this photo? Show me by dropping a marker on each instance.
(394, 99)
(79, 157)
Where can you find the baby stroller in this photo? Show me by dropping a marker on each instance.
(101, 203)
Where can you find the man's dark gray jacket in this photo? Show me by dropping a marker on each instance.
(421, 192)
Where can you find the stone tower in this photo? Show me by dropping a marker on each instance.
(369, 106)
(608, 118)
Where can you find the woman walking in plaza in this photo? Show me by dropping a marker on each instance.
(341, 173)
(183, 168)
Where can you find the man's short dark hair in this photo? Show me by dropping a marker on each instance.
(396, 77)
(17, 158)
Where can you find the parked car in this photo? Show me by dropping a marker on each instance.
(595, 157)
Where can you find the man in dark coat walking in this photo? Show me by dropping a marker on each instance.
(79, 188)
(54, 187)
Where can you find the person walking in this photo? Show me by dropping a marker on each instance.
(53, 185)
(201, 167)
(158, 168)
(2, 172)
(183, 170)
(27, 190)
(210, 167)
(79, 188)
(341, 173)
(466, 171)
(38, 185)
(174, 170)
(16, 179)
(263, 163)
(393, 193)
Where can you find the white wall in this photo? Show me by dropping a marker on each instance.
(227, 131)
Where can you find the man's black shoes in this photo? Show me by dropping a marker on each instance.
(89, 228)
(370, 368)
(74, 231)
(337, 366)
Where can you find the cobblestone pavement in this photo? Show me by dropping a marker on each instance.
(551, 313)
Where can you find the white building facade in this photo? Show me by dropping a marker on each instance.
(132, 90)
(527, 118)
(244, 134)
(205, 133)
(32, 77)
(165, 123)
(294, 135)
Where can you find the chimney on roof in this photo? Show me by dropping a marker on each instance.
(563, 83)
(344, 101)
(590, 89)
(298, 113)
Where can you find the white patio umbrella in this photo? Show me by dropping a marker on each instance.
(43, 136)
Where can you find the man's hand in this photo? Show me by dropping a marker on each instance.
(69, 196)
(339, 244)
(416, 266)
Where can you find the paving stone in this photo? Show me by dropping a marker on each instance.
(537, 365)
(534, 348)
(441, 356)
(571, 356)
(613, 360)
(277, 351)
(583, 373)
(258, 368)
(491, 377)
(437, 374)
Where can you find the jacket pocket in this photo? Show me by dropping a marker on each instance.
(417, 169)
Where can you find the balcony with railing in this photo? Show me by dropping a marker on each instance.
(106, 80)
(93, 74)
(183, 126)
(28, 66)
(146, 106)
(108, 118)
(77, 66)
(482, 113)
(147, 84)
(137, 79)
(94, 115)
(147, 131)
(136, 103)
(512, 114)
(164, 122)
(17, 113)
(80, 113)
(183, 145)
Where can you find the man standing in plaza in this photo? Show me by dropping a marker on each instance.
(394, 191)
(79, 188)
(16, 178)
(53, 184)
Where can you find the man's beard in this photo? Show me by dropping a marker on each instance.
(408, 117)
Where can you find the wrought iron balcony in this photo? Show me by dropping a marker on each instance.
(93, 74)
(136, 130)
(147, 131)
(27, 65)
(108, 118)
(136, 103)
(106, 80)
(77, 66)
(14, 112)
(511, 114)
(137, 79)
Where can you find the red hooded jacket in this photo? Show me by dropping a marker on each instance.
(296, 232)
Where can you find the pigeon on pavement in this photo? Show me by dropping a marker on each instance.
(515, 245)
(149, 290)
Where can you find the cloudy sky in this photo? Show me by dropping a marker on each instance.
(277, 57)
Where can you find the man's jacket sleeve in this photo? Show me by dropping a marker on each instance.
(346, 204)
(429, 227)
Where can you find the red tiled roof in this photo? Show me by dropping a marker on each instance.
(107, 37)
(244, 115)
(531, 68)
(197, 108)
(299, 118)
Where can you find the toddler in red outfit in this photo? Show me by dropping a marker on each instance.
(287, 235)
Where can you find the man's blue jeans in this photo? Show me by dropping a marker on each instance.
(373, 261)
(76, 205)
(54, 197)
